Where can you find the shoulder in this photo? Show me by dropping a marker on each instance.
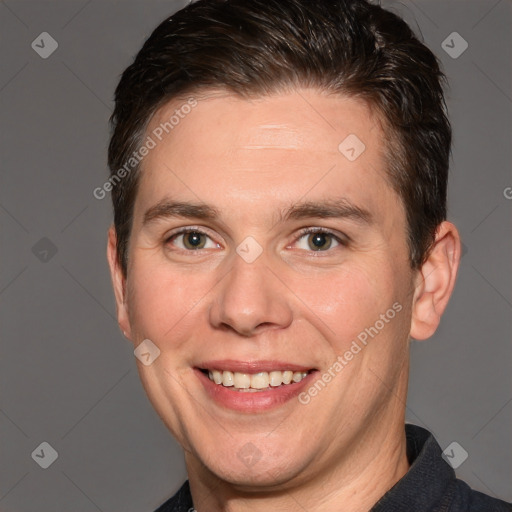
(465, 499)
(431, 484)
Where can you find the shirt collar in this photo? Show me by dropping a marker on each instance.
(426, 483)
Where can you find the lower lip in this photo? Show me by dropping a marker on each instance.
(252, 401)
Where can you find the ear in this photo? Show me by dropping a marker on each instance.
(118, 283)
(435, 281)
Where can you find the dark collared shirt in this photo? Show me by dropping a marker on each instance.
(430, 485)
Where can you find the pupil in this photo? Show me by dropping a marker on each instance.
(319, 240)
(194, 239)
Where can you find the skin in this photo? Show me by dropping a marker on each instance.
(251, 159)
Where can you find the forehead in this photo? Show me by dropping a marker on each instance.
(224, 148)
(294, 120)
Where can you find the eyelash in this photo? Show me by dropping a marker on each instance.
(302, 233)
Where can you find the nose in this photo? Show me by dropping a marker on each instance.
(250, 299)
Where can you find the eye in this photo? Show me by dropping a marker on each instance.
(310, 239)
(318, 240)
(191, 239)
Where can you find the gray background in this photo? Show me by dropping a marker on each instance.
(69, 378)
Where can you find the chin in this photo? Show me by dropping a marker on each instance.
(243, 464)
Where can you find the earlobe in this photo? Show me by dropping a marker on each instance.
(118, 283)
(435, 282)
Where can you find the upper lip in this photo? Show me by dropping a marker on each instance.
(232, 365)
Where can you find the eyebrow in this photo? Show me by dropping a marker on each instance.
(329, 208)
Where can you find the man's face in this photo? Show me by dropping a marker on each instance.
(249, 292)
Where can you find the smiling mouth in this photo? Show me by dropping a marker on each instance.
(254, 382)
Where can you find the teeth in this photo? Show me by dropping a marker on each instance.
(227, 379)
(297, 377)
(262, 380)
(276, 378)
(287, 377)
(217, 377)
(242, 380)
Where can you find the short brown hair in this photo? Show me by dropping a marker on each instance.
(258, 47)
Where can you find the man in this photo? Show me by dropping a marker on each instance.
(279, 173)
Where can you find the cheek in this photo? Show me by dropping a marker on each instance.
(349, 300)
(162, 303)
(349, 291)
